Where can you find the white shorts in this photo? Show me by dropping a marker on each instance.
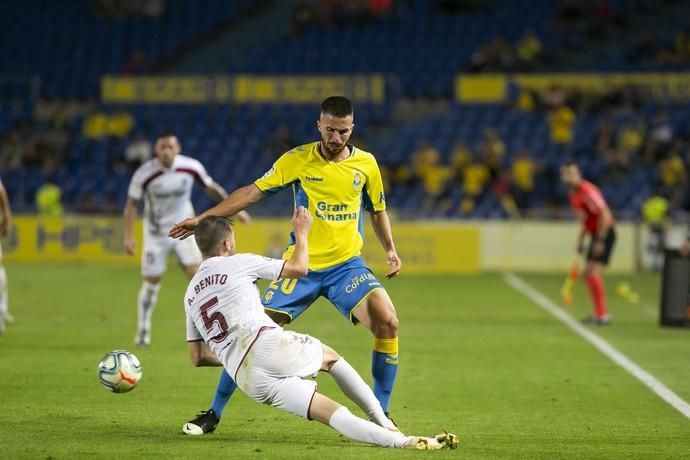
(273, 370)
(157, 248)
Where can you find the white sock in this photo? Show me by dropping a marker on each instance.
(3, 291)
(362, 430)
(354, 387)
(146, 302)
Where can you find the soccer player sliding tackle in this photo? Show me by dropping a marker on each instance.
(227, 325)
(337, 182)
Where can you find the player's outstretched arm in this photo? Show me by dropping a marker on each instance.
(237, 201)
(201, 355)
(297, 265)
(6, 212)
(217, 192)
(384, 233)
(130, 215)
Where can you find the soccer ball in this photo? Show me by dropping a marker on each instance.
(119, 371)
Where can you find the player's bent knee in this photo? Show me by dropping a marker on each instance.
(330, 357)
(387, 326)
(152, 279)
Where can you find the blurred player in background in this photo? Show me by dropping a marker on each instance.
(165, 182)
(227, 325)
(335, 181)
(597, 222)
(5, 228)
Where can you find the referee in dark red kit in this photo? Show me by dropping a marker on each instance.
(597, 221)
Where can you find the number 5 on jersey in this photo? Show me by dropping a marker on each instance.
(215, 318)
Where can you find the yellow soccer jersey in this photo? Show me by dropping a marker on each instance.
(334, 193)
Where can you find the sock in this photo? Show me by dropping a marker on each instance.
(3, 291)
(359, 392)
(146, 302)
(596, 291)
(384, 367)
(226, 387)
(362, 430)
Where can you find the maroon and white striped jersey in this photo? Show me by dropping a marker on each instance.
(167, 191)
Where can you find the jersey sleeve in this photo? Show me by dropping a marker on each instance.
(193, 334)
(136, 185)
(373, 197)
(261, 267)
(284, 172)
(204, 177)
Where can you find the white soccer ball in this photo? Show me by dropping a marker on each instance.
(119, 371)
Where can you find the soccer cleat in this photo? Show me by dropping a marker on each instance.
(597, 320)
(143, 338)
(9, 319)
(444, 440)
(205, 422)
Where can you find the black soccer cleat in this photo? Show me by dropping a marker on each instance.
(205, 422)
(597, 320)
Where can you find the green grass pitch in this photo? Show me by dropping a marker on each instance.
(477, 358)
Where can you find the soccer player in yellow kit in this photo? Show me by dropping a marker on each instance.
(334, 180)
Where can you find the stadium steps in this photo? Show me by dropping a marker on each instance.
(230, 45)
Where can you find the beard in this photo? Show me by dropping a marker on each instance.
(332, 148)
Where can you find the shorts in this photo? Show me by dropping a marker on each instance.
(272, 372)
(157, 248)
(605, 256)
(346, 286)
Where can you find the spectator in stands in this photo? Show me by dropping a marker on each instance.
(562, 130)
(523, 171)
(525, 100)
(11, 152)
(655, 215)
(424, 159)
(49, 200)
(120, 124)
(529, 50)
(99, 125)
(95, 125)
(495, 56)
(138, 151)
(682, 47)
(460, 158)
(492, 151)
(630, 137)
(605, 138)
(475, 180)
(137, 64)
(504, 192)
(660, 138)
(673, 177)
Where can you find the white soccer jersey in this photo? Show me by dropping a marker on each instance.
(223, 306)
(167, 191)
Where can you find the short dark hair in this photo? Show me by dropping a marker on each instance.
(210, 234)
(568, 163)
(163, 134)
(338, 106)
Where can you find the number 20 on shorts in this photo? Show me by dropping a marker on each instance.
(287, 285)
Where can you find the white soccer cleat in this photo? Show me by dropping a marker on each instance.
(444, 440)
(9, 319)
(143, 338)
